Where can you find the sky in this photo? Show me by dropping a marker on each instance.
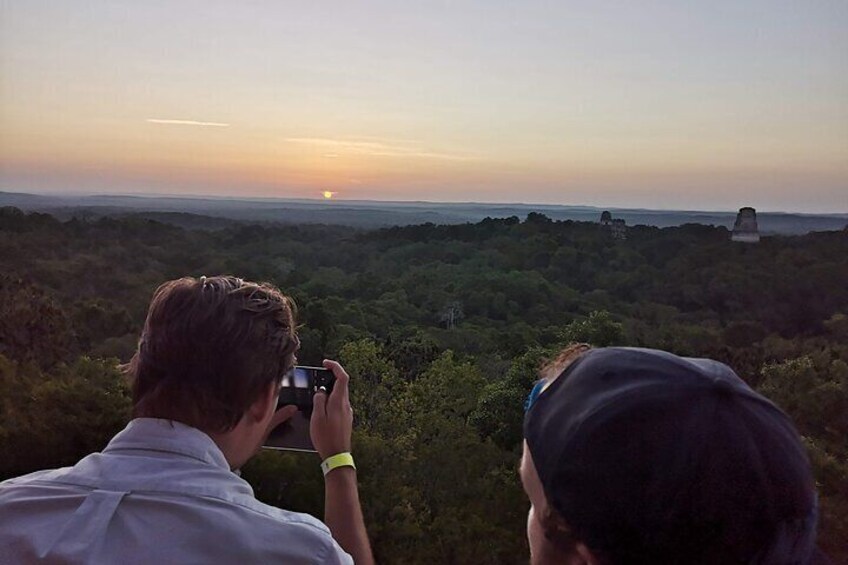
(654, 104)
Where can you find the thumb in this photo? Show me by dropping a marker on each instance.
(283, 414)
(319, 403)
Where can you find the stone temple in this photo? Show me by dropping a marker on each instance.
(745, 229)
(616, 227)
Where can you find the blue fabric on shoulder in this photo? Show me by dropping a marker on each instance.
(534, 394)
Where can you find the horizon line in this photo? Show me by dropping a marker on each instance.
(330, 202)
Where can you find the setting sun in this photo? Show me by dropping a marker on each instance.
(328, 195)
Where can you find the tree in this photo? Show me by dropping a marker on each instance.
(411, 351)
(451, 315)
(54, 418)
(466, 501)
(837, 325)
(599, 329)
(813, 390)
(374, 382)
(33, 327)
(499, 413)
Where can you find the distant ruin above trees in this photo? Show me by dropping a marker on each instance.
(617, 226)
(745, 228)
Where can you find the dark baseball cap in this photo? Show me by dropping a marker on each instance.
(651, 457)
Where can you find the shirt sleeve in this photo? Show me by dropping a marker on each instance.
(334, 555)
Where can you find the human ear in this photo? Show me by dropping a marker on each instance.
(264, 403)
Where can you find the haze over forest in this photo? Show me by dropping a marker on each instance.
(215, 213)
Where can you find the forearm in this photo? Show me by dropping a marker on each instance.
(343, 514)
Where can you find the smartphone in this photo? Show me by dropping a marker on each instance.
(299, 386)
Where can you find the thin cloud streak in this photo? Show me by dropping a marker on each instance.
(187, 123)
(367, 146)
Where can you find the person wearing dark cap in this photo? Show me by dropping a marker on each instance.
(640, 456)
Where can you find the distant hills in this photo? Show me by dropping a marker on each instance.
(212, 213)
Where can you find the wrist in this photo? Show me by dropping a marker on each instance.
(343, 477)
(327, 452)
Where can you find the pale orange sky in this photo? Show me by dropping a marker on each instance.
(657, 105)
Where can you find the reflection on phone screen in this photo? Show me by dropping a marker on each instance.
(301, 378)
(296, 378)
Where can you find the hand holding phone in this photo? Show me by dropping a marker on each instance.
(332, 417)
(299, 387)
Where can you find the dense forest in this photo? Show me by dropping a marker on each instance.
(442, 329)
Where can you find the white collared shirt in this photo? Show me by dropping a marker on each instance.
(161, 492)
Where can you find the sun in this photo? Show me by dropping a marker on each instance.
(328, 195)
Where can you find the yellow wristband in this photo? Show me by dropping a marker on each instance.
(337, 460)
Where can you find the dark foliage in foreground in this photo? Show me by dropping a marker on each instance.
(442, 328)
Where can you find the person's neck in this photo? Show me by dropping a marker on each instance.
(229, 446)
(235, 444)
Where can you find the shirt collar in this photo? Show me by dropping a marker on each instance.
(155, 434)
